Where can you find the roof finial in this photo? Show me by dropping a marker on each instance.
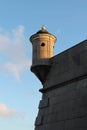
(43, 28)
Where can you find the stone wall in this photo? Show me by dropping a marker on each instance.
(64, 100)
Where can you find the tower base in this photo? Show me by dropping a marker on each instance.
(41, 71)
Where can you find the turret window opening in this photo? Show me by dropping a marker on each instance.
(43, 44)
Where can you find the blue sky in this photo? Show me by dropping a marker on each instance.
(19, 19)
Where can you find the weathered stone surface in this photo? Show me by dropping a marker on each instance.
(64, 101)
(44, 103)
(38, 120)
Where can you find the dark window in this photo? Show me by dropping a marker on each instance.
(42, 44)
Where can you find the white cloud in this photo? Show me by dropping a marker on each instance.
(14, 68)
(8, 113)
(12, 47)
(4, 40)
(5, 112)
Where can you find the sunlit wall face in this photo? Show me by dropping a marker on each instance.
(42, 47)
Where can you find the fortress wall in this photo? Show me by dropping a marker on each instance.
(64, 100)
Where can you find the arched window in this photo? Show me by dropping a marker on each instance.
(43, 44)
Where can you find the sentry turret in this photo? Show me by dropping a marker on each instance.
(42, 50)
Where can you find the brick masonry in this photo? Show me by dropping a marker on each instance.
(64, 99)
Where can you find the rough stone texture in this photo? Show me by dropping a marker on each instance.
(64, 100)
